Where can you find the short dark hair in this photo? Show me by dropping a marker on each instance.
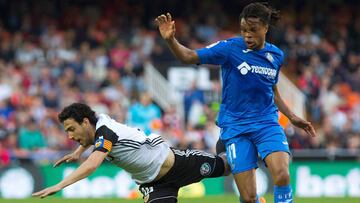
(78, 111)
(263, 11)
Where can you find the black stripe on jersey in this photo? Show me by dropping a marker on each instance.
(137, 144)
(155, 143)
(121, 142)
(129, 145)
(147, 141)
(126, 143)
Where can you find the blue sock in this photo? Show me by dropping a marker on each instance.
(257, 200)
(283, 194)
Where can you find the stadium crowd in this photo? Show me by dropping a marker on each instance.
(54, 53)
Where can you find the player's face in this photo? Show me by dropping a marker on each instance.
(254, 32)
(80, 133)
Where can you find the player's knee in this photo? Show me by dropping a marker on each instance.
(248, 198)
(282, 177)
(248, 194)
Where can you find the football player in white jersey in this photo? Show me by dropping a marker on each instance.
(159, 169)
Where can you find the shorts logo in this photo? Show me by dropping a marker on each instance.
(205, 169)
(146, 192)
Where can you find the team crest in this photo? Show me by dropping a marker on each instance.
(99, 142)
(269, 57)
(205, 169)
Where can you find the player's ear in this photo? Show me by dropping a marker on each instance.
(265, 27)
(86, 121)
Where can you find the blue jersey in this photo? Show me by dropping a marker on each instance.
(248, 77)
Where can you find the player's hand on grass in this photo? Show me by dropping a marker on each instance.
(305, 125)
(68, 158)
(166, 26)
(47, 191)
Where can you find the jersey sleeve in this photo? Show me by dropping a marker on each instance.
(105, 139)
(216, 53)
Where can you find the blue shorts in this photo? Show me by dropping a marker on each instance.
(242, 150)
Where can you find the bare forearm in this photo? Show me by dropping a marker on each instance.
(181, 52)
(283, 108)
(81, 149)
(83, 171)
(296, 121)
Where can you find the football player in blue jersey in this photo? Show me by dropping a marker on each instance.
(248, 115)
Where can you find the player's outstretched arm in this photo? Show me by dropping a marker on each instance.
(167, 30)
(84, 170)
(295, 120)
(71, 157)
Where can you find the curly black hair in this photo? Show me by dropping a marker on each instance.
(263, 11)
(78, 111)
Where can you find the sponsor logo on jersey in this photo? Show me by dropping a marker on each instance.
(245, 68)
(205, 169)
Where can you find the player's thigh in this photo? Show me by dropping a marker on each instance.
(159, 193)
(246, 183)
(270, 139)
(241, 154)
(278, 164)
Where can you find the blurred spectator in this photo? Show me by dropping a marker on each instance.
(193, 104)
(119, 55)
(30, 136)
(97, 55)
(142, 113)
(4, 155)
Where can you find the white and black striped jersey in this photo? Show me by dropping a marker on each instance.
(129, 148)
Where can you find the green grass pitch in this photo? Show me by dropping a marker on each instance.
(209, 199)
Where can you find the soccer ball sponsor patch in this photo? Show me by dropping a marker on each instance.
(205, 169)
